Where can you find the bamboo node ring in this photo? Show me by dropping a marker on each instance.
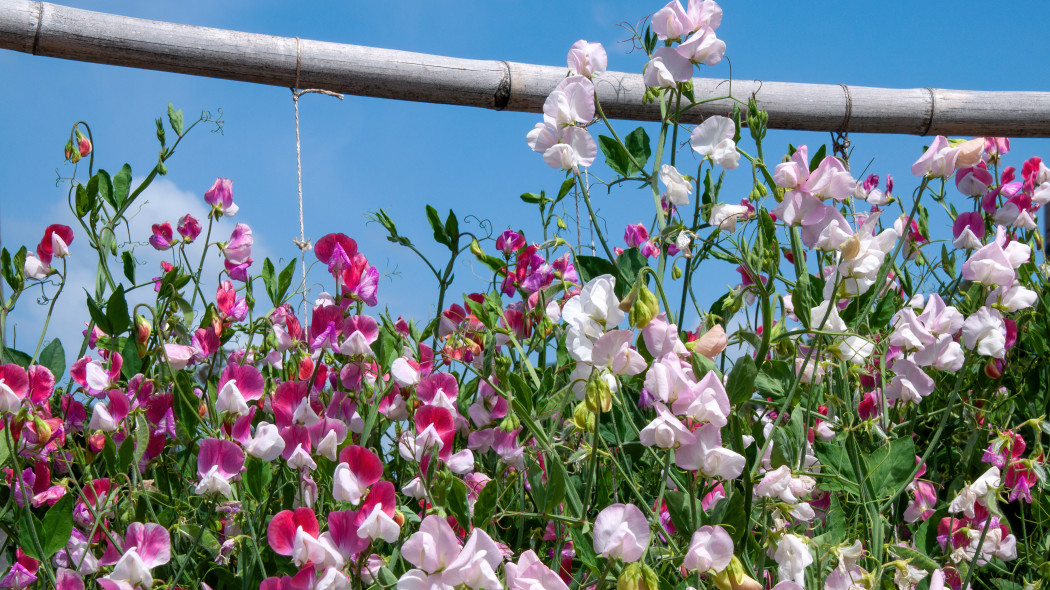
(501, 98)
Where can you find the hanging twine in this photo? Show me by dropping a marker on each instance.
(303, 243)
(840, 142)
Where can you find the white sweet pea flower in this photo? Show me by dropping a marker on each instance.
(677, 187)
(724, 216)
(714, 139)
(267, 443)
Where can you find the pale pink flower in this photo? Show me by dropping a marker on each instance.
(985, 331)
(703, 47)
(220, 197)
(794, 172)
(613, 351)
(665, 431)
(621, 532)
(667, 68)
(830, 180)
(793, 557)
(724, 216)
(711, 548)
(587, 59)
(532, 574)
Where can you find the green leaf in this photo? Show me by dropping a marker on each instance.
(117, 313)
(522, 392)
(17, 357)
(917, 558)
(97, 315)
(630, 262)
(533, 198)
(585, 549)
(83, 203)
(142, 428)
(555, 486)
(105, 187)
(5, 451)
(439, 229)
(53, 356)
(590, 267)
(702, 365)
(186, 404)
(486, 504)
(678, 506)
(729, 513)
(258, 476)
(129, 265)
(269, 277)
(14, 270)
(774, 379)
(132, 364)
(125, 454)
(284, 281)
(122, 185)
(457, 502)
(175, 119)
(27, 525)
(637, 143)
(818, 157)
(616, 156)
(835, 462)
(742, 380)
(890, 466)
(565, 188)
(452, 231)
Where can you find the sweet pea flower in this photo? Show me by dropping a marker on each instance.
(974, 182)
(358, 469)
(672, 22)
(667, 68)
(36, 268)
(714, 139)
(237, 252)
(665, 431)
(530, 573)
(985, 331)
(238, 384)
(621, 532)
(56, 241)
(830, 180)
(941, 159)
(710, 548)
(220, 197)
(566, 148)
(146, 546)
(431, 549)
(968, 231)
(14, 385)
(162, 236)
(189, 228)
(267, 443)
(703, 47)
(218, 463)
(587, 59)
(793, 557)
(724, 216)
(677, 187)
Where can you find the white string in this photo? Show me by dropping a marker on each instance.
(303, 244)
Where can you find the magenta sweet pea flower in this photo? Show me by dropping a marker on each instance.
(227, 302)
(14, 385)
(220, 197)
(146, 546)
(510, 242)
(358, 469)
(238, 385)
(55, 242)
(162, 236)
(189, 228)
(218, 463)
(238, 252)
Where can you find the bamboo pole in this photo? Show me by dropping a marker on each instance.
(47, 29)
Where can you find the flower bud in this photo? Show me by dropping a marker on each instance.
(734, 578)
(143, 329)
(637, 576)
(475, 249)
(676, 273)
(970, 153)
(599, 395)
(583, 418)
(83, 145)
(645, 307)
(69, 150)
(43, 430)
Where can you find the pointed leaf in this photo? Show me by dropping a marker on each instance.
(122, 185)
(53, 356)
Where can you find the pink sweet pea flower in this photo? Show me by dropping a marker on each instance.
(985, 331)
(703, 47)
(189, 228)
(711, 548)
(14, 385)
(974, 182)
(146, 546)
(220, 197)
(93, 377)
(55, 242)
(218, 463)
(228, 304)
(238, 252)
(532, 574)
(238, 384)
(66, 579)
(358, 469)
(162, 236)
(332, 247)
(283, 527)
(587, 59)
(509, 242)
(968, 231)
(621, 532)
(432, 549)
(667, 68)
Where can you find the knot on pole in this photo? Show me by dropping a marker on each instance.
(933, 109)
(501, 98)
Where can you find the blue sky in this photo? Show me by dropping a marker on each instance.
(362, 153)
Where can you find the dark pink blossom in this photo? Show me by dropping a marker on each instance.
(189, 228)
(56, 241)
(220, 197)
(162, 236)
